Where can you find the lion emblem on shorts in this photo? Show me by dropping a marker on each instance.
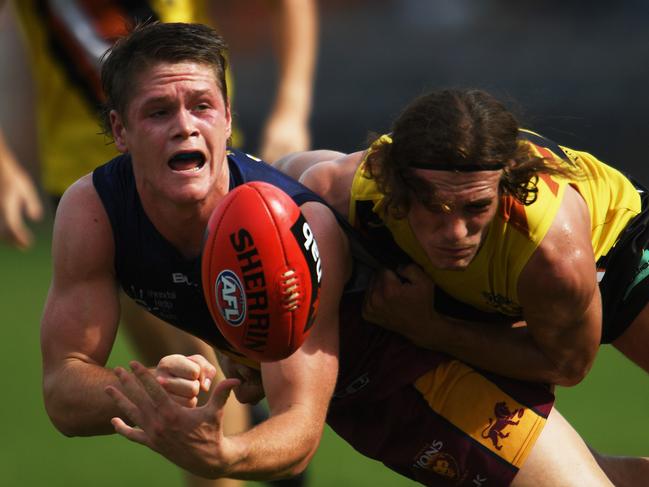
(504, 418)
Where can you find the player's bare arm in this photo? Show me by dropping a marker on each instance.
(311, 371)
(81, 316)
(80, 322)
(295, 29)
(557, 291)
(328, 174)
(560, 298)
(297, 163)
(561, 306)
(298, 390)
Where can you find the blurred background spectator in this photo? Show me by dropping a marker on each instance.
(579, 70)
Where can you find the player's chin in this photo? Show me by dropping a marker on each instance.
(189, 192)
(452, 263)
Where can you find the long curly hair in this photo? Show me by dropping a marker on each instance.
(455, 128)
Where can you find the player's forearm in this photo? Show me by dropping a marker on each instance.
(75, 399)
(299, 389)
(296, 40)
(277, 448)
(507, 351)
(7, 159)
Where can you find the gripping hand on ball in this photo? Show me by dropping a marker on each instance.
(251, 389)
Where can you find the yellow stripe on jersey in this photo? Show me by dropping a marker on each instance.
(492, 418)
(241, 359)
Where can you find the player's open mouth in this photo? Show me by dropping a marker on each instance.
(187, 161)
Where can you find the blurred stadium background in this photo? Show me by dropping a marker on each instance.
(574, 71)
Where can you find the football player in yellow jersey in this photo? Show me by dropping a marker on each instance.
(64, 58)
(490, 235)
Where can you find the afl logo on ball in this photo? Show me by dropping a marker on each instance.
(230, 297)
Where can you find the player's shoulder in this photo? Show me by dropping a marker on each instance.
(80, 197)
(81, 219)
(564, 259)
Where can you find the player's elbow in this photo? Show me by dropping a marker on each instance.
(573, 363)
(62, 409)
(572, 371)
(56, 410)
(301, 465)
(295, 470)
(569, 378)
(304, 454)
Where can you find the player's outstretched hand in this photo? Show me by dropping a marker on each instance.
(184, 377)
(192, 438)
(18, 199)
(404, 306)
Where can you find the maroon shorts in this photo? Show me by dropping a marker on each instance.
(428, 417)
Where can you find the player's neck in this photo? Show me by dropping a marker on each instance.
(183, 225)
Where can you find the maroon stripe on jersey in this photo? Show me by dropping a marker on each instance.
(513, 212)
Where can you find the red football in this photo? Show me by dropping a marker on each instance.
(261, 271)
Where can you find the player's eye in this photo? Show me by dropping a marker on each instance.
(478, 208)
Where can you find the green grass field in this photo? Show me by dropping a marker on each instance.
(610, 408)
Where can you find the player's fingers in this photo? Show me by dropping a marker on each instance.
(186, 402)
(32, 203)
(220, 394)
(372, 303)
(207, 371)
(134, 390)
(130, 410)
(177, 365)
(14, 230)
(249, 374)
(413, 273)
(372, 291)
(376, 291)
(179, 387)
(133, 434)
(387, 278)
(390, 280)
(154, 390)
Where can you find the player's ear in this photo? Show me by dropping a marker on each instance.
(118, 129)
(228, 119)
